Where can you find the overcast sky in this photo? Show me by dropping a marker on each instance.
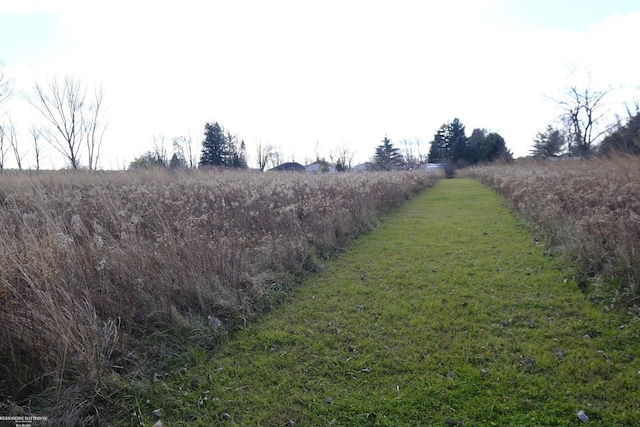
(293, 73)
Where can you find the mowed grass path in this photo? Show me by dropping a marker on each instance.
(448, 314)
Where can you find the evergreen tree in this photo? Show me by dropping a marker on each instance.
(493, 147)
(220, 148)
(439, 151)
(457, 142)
(449, 143)
(626, 139)
(214, 147)
(473, 145)
(387, 156)
(177, 162)
(548, 143)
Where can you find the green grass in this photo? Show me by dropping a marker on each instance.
(448, 314)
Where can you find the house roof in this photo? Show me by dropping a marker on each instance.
(290, 167)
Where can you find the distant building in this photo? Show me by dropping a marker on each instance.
(363, 167)
(368, 166)
(431, 166)
(320, 167)
(289, 167)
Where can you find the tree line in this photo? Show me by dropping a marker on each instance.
(72, 123)
(583, 129)
(450, 146)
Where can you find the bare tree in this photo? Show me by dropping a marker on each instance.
(61, 105)
(6, 89)
(343, 158)
(36, 133)
(71, 119)
(407, 152)
(422, 157)
(411, 151)
(278, 157)
(316, 149)
(178, 144)
(632, 110)
(12, 137)
(582, 112)
(6, 86)
(4, 147)
(264, 153)
(179, 158)
(94, 129)
(159, 150)
(333, 157)
(188, 150)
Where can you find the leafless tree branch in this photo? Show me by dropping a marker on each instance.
(61, 105)
(6, 86)
(264, 153)
(12, 137)
(345, 156)
(4, 148)
(160, 150)
(70, 119)
(188, 150)
(583, 110)
(36, 133)
(94, 130)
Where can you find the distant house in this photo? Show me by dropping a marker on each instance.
(423, 166)
(431, 166)
(368, 166)
(364, 167)
(320, 167)
(289, 167)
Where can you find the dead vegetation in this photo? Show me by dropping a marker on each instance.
(92, 265)
(587, 209)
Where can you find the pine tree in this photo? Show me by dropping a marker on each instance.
(625, 139)
(548, 143)
(214, 147)
(387, 156)
(457, 142)
(492, 147)
(439, 151)
(221, 148)
(473, 145)
(449, 143)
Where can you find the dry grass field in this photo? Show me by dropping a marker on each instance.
(587, 210)
(447, 315)
(95, 267)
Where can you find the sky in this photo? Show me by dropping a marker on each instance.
(307, 76)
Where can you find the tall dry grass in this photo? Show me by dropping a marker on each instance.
(91, 264)
(590, 209)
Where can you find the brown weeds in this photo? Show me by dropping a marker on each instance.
(90, 264)
(590, 209)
